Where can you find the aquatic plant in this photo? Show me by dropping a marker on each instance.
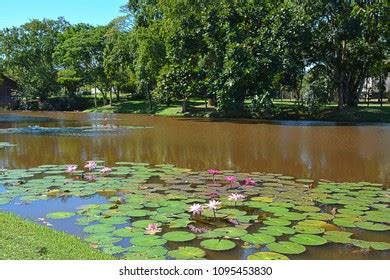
(90, 165)
(196, 209)
(231, 180)
(249, 182)
(152, 229)
(214, 172)
(71, 168)
(213, 206)
(236, 197)
(105, 170)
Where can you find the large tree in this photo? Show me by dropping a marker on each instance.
(348, 39)
(27, 56)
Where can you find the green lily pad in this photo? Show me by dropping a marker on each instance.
(187, 253)
(179, 236)
(128, 232)
(307, 208)
(267, 256)
(380, 246)
(146, 253)
(292, 216)
(59, 215)
(286, 247)
(137, 213)
(308, 229)
(102, 239)
(99, 228)
(308, 239)
(344, 222)
(113, 249)
(231, 232)
(142, 223)
(147, 240)
(179, 223)
(372, 226)
(338, 239)
(218, 244)
(277, 222)
(258, 238)
(339, 233)
(115, 220)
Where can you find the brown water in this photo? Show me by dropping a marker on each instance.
(303, 150)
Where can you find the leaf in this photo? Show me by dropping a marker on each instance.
(59, 215)
(308, 229)
(277, 222)
(179, 236)
(258, 238)
(187, 253)
(231, 232)
(218, 244)
(99, 228)
(286, 247)
(381, 246)
(147, 240)
(128, 232)
(372, 226)
(267, 256)
(308, 239)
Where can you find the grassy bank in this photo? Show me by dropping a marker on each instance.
(288, 110)
(24, 240)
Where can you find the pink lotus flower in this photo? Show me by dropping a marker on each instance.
(152, 229)
(195, 229)
(90, 178)
(214, 172)
(213, 205)
(249, 182)
(196, 209)
(236, 197)
(71, 168)
(90, 165)
(231, 180)
(105, 170)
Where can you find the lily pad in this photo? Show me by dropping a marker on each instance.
(147, 240)
(267, 256)
(308, 229)
(277, 222)
(258, 238)
(308, 239)
(372, 226)
(128, 232)
(218, 244)
(187, 253)
(99, 228)
(380, 246)
(286, 247)
(231, 232)
(179, 236)
(59, 215)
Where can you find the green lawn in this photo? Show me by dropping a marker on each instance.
(24, 240)
(289, 110)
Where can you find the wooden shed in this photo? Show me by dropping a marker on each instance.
(7, 86)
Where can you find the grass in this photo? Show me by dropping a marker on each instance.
(289, 110)
(24, 240)
(196, 108)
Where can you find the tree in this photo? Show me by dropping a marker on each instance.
(349, 37)
(26, 53)
(82, 49)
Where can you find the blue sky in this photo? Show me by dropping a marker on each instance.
(96, 12)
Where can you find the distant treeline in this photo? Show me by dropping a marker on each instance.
(227, 51)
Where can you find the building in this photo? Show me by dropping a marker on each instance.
(7, 86)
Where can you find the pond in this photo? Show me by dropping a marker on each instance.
(287, 189)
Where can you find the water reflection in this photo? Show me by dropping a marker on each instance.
(342, 153)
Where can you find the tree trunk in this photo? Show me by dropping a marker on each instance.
(111, 97)
(95, 98)
(117, 95)
(184, 105)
